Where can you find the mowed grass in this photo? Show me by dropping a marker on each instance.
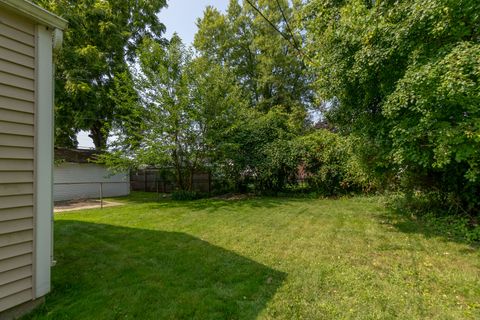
(264, 258)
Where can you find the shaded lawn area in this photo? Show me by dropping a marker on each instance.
(257, 258)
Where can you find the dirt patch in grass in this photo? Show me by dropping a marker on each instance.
(72, 205)
(234, 196)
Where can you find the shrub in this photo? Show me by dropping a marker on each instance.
(431, 210)
(330, 165)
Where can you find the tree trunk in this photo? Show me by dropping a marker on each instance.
(190, 181)
(99, 136)
(178, 170)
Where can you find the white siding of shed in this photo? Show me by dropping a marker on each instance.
(73, 181)
(17, 112)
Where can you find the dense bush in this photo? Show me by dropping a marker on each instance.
(256, 152)
(329, 164)
(268, 155)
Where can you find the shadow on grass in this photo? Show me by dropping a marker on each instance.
(427, 226)
(110, 272)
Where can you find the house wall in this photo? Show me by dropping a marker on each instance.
(74, 181)
(17, 154)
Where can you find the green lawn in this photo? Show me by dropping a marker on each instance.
(263, 258)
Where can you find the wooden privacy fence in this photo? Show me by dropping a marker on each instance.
(155, 180)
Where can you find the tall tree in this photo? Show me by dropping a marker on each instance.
(188, 106)
(100, 42)
(405, 77)
(268, 67)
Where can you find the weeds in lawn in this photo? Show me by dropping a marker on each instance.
(258, 258)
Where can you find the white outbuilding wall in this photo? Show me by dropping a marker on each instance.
(74, 181)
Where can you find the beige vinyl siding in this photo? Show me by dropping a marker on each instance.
(17, 129)
(17, 58)
(21, 82)
(17, 35)
(16, 201)
(15, 152)
(16, 213)
(16, 46)
(15, 262)
(19, 70)
(15, 299)
(12, 238)
(16, 92)
(19, 141)
(15, 189)
(19, 165)
(14, 287)
(15, 177)
(14, 21)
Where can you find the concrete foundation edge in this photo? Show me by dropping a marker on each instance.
(21, 310)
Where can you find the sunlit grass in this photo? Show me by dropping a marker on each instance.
(263, 258)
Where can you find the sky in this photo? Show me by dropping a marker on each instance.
(180, 16)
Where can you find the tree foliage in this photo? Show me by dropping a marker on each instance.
(256, 153)
(268, 68)
(188, 104)
(102, 37)
(329, 163)
(232, 107)
(404, 76)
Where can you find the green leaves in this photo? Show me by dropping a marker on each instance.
(329, 163)
(265, 65)
(188, 106)
(100, 42)
(404, 77)
(443, 98)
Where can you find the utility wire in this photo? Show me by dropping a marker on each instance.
(294, 44)
(288, 25)
(266, 19)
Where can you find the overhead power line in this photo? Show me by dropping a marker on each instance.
(288, 25)
(266, 19)
(294, 44)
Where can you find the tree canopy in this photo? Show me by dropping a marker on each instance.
(268, 68)
(187, 106)
(405, 77)
(100, 42)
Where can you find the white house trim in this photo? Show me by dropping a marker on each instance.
(36, 13)
(44, 160)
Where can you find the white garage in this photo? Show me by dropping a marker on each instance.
(77, 177)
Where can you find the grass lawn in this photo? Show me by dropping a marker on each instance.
(263, 258)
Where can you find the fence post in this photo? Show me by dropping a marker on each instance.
(145, 180)
(209, 183)
(101, 195)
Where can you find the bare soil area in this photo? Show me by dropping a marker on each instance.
(234, 196)
(72, 205)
